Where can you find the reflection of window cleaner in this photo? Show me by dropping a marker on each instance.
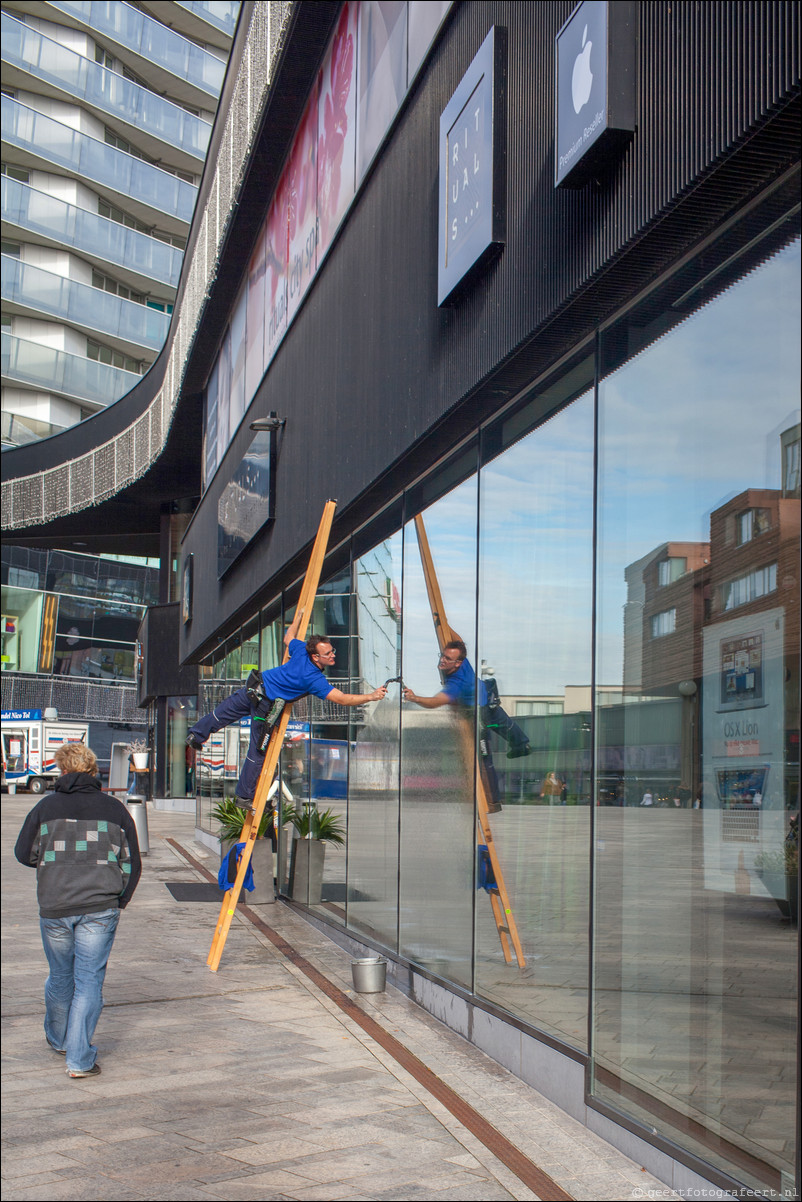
(496, 718)
(393, 680)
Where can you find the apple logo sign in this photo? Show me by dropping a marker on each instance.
(582, 78)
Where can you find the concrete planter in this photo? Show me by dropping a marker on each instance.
(784, 888)
(306, 871)
(262, 864)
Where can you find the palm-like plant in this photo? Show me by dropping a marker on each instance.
(232, 819)
(312, 823)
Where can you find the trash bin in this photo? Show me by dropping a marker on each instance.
(369, 975)
(138, 810)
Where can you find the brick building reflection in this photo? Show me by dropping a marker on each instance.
(724, 616)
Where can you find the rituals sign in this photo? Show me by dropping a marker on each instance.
(473, 169)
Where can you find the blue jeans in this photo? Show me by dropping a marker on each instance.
(77, 950)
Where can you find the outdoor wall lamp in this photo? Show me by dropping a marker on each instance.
(273, 422)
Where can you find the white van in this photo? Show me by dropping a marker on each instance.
(29, 742)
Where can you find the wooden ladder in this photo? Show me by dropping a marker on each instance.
(499, 897)
(250, 827)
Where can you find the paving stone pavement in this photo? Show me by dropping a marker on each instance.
(250, 1083)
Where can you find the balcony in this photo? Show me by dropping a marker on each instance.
(222, 16)
(44, 143)
(56, 68)
(145, 259)
(33, 292)
(46, 369)
(158, 46)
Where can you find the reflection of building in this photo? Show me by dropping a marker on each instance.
(704, 609)
(106, 119)
(664, 602)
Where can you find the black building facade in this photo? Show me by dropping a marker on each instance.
(615, 368)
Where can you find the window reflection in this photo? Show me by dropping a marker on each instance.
(373, 779)
(438, 762)
(535, 568)
(698, 769)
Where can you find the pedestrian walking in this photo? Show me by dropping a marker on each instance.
(83, 845)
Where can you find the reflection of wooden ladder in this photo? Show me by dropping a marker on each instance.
(251, 826)
(499, 898)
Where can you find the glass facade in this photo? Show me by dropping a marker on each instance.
(692, 898)
(71, 614)
(627, 712)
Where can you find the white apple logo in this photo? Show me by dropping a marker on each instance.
(582, 78)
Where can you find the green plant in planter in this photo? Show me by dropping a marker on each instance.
(312, 823)
(232, 819)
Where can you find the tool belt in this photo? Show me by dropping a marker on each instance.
(264, 709)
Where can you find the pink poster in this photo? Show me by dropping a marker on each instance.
(302, 174)
(276, 269)
(255, 320)
(336, 139)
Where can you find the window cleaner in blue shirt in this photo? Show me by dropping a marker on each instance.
(461, 687)
(263, 697)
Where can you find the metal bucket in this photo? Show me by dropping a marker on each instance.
(369, 975)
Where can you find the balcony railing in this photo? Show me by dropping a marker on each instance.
(103, 90)
(221, 15)
(153, 41)
(51, 142)
(73, 376)
(100, 238)
(42, 291)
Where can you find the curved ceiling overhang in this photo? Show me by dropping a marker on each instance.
(105, 482)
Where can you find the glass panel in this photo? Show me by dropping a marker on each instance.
(237, 404)
(82, 657)
(19, 629)
(438, 752)
(382, 75)
(425, 18)
(695, 966)
(125, 25)
(101, 237)
(535, 577)
(327, 761)
(303, 221)
(52, 142)
(375, 744)
(336, 146)
(58, 371)
(102, 89)
(34, 288)
(255, 319)
(182, 712)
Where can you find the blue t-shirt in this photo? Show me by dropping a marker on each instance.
(460, 686)
(297, 677)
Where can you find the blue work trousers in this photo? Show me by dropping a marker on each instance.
(77, 950)
(238, 705)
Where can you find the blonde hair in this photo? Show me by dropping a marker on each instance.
(76, 757)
